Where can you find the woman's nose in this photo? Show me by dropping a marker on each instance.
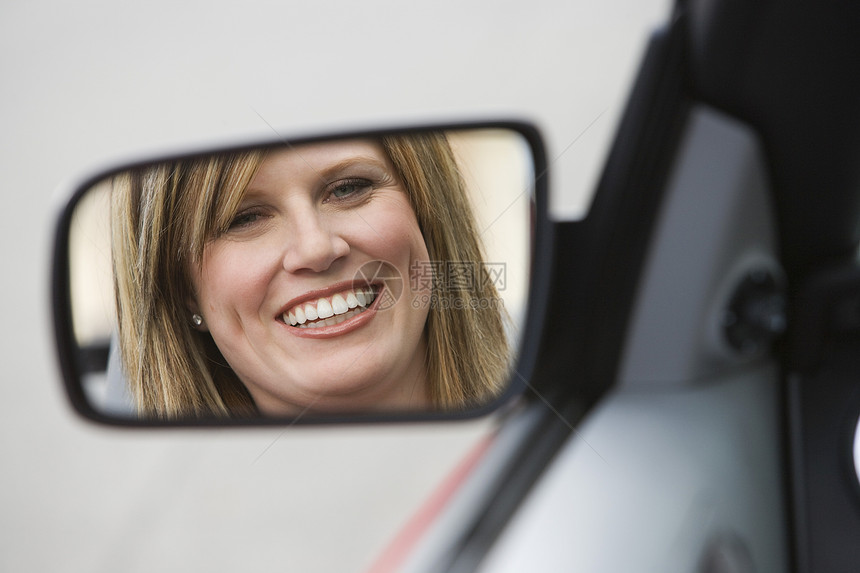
(313, 245)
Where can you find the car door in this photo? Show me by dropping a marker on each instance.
(699, 405)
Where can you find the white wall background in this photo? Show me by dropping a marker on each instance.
(85, 84)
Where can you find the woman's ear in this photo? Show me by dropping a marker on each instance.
(195, 316)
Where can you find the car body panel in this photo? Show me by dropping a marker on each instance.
(682, 460)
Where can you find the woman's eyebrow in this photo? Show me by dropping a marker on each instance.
(349, 162)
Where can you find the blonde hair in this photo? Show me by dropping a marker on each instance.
(163, 217)
(469, 354)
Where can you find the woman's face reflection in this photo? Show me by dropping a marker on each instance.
(307, 294)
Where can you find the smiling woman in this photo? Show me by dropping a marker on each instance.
(306, 278)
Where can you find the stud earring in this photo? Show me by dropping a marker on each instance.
(196, 319)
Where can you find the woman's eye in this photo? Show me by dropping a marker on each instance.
(350, 187)
(244, 219)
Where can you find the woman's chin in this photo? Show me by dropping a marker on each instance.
(343, 401)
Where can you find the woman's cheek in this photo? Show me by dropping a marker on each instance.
(237, 276)
(393, 226)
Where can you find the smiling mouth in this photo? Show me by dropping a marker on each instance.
(331, 310)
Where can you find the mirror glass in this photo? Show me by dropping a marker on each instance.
(362, 275)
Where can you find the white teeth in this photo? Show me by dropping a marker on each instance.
(337, 319)
(351, 301)
(369, 295)
(338, 304)
(324, 309)
(311, 312)
(328, 312)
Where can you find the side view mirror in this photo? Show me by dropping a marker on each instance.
(380, 275)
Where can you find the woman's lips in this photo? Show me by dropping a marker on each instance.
(331, 310)
(338, 324)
